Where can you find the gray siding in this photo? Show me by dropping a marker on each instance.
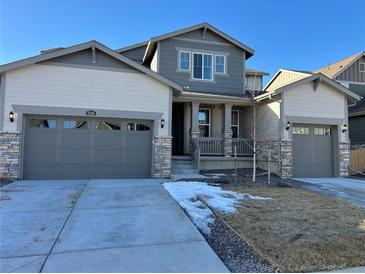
(358, 89)
(231, 83)
(135, 54)
(84, 58)
(352, 73)
(357, 129)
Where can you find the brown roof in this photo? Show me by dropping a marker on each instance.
(333, 70)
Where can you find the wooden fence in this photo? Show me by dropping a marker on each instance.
(357, 160)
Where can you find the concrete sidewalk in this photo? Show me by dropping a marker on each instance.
(98, 226)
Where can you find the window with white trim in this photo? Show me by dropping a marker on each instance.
(362, 67)
(184, 59)
(235, 123)
(204, 122)
(202, 66)
(220, 64)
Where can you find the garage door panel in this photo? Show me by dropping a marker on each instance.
(64, 152)
(40, 171)
(43, 155)
(313, 154)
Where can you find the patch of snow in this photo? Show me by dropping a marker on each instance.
(190, 195)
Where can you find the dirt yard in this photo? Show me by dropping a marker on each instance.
(299, 230)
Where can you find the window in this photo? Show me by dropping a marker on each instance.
(42, 123)
(220, 64)
(300, 130)
(235, 123)
(204, 122)
(75, 124)
(137, 127)
(107, 125)
(322, 131)
(184, 60)
(202, 66)
(362, 67)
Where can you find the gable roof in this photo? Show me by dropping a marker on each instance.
(87, 45)
(335, 69)
(137, 45)
(300, 73)
(152, 42)
(313, 77)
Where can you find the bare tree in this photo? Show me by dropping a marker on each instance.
(253, 92)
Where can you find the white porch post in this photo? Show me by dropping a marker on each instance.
(227, 129)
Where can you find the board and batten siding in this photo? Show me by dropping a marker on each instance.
(59, 86)
(268, 121)
(324, 102)
(352, 73)
(284, 78)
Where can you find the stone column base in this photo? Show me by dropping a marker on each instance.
(227, 144)
(161, 167)
(343, 158)
(9, 155)
(286, 159)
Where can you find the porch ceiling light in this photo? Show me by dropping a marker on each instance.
(11, 116)
(162, 123)
(344, 128)
(288, 125)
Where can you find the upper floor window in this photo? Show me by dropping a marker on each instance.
(202, 66)
(220, 64)
(362, 67)
(184, 60)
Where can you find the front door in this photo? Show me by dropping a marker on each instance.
(178, 112)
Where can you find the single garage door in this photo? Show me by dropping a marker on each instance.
(82, 148)
(313, 151)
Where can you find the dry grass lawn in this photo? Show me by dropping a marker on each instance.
(301, 231)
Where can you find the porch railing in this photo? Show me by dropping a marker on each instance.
(211, 146)
(244, 146)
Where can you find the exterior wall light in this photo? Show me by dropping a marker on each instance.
(288, 125)
(162, 123)
(11, 116)
(344, 128)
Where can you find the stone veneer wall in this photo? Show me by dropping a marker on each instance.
(162, 157)
(343, 158)
(286, 158)
(262, 150)
(227, 144)
(9, 155)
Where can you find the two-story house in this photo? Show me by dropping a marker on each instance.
(88, 111)
(350, 72)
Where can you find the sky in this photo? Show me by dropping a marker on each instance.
(304, 35)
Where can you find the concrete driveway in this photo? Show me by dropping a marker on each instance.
(98, 226)
(352, 190)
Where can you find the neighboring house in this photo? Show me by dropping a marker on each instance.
(306, 114)
(88, 111)
(350, 72)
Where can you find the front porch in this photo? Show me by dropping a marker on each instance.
(212, 133)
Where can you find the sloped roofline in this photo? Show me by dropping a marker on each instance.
(155, 39)
(317, 76)
(288, 70)
(83, 46)
(137, 45)
(342, 69)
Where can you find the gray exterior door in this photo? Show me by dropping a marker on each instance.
(83, 148)
(313, 151)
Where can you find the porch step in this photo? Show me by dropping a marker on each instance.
(182, 157)
(183, 167)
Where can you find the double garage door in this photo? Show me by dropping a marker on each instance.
(313, 150)
(83, 148)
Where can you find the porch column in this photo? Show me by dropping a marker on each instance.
(227, 129)
(195, 120)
